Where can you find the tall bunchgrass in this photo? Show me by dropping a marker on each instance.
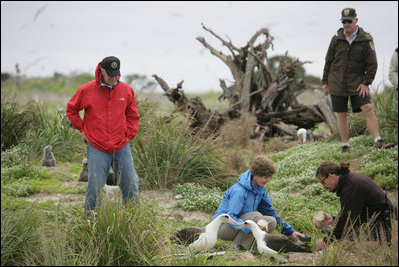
(385, 105)
(16, 120)
(51, 129)
(166, 152)
(33, 126)
(386, 108)
(18, 233)
(132, 235)
(362, 249)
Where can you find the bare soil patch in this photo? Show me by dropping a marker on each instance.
(164, 198)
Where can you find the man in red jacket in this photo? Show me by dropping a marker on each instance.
(110, 122)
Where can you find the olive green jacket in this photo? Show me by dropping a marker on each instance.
(347, 66)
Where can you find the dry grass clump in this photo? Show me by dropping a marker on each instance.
(276, 145)
(235, 161)
(238, 132)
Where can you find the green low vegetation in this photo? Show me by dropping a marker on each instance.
(168, 156)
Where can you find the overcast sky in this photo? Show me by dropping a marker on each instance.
(160, 37)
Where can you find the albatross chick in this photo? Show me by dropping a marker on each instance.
(207, 240)
(260, 237)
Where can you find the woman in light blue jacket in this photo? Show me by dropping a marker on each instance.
(248, 200)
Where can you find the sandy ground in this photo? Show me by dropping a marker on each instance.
(165, 198)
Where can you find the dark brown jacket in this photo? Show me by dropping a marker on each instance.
(347, 66)
(360, 198)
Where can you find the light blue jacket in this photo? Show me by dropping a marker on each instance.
(244, 197)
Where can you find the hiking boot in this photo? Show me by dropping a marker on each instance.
(345, 149)
(383, 144)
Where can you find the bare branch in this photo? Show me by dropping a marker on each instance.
(224, 42)
(161, 82)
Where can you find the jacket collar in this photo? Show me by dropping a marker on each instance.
(340, 184)
(360, 34)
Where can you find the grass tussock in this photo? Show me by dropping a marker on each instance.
(385, 107)
(362, 249)
(166, 153)
(237, 132)
(117, 235)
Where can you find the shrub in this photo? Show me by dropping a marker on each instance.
(14, 156)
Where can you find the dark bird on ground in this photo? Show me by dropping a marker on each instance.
(84, 173)
(48, 157)
(187, 235)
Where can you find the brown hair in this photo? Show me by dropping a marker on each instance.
(262, 166)
(330, 167)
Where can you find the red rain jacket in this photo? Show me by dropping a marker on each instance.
(110, 116)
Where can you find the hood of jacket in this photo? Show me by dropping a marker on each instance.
(98, 75)
(245, 180)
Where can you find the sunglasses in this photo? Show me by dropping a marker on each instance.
(347, 21)
(323, 180)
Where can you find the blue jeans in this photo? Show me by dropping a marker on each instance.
(99, 163)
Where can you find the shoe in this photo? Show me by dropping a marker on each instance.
(345, 149)
(383, 144)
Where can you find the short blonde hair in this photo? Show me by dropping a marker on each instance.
(262, 166)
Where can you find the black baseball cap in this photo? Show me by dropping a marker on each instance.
(111, 65)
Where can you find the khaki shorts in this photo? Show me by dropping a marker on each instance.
(340, 103)
(228, 233)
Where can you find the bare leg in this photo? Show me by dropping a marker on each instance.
(343, 128)
(371, 120)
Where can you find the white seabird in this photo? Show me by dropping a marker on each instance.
(207, 240)
(260, 237)
(301, 134)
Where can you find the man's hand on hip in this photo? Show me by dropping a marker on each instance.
(325, 89)
(363, 90)
(84, 138)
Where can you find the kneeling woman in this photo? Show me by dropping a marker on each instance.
(248, 200)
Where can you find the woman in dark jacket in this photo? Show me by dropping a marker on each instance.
(362, 201)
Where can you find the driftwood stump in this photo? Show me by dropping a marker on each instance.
(269, 96)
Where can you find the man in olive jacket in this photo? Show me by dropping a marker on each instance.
(350, 67)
